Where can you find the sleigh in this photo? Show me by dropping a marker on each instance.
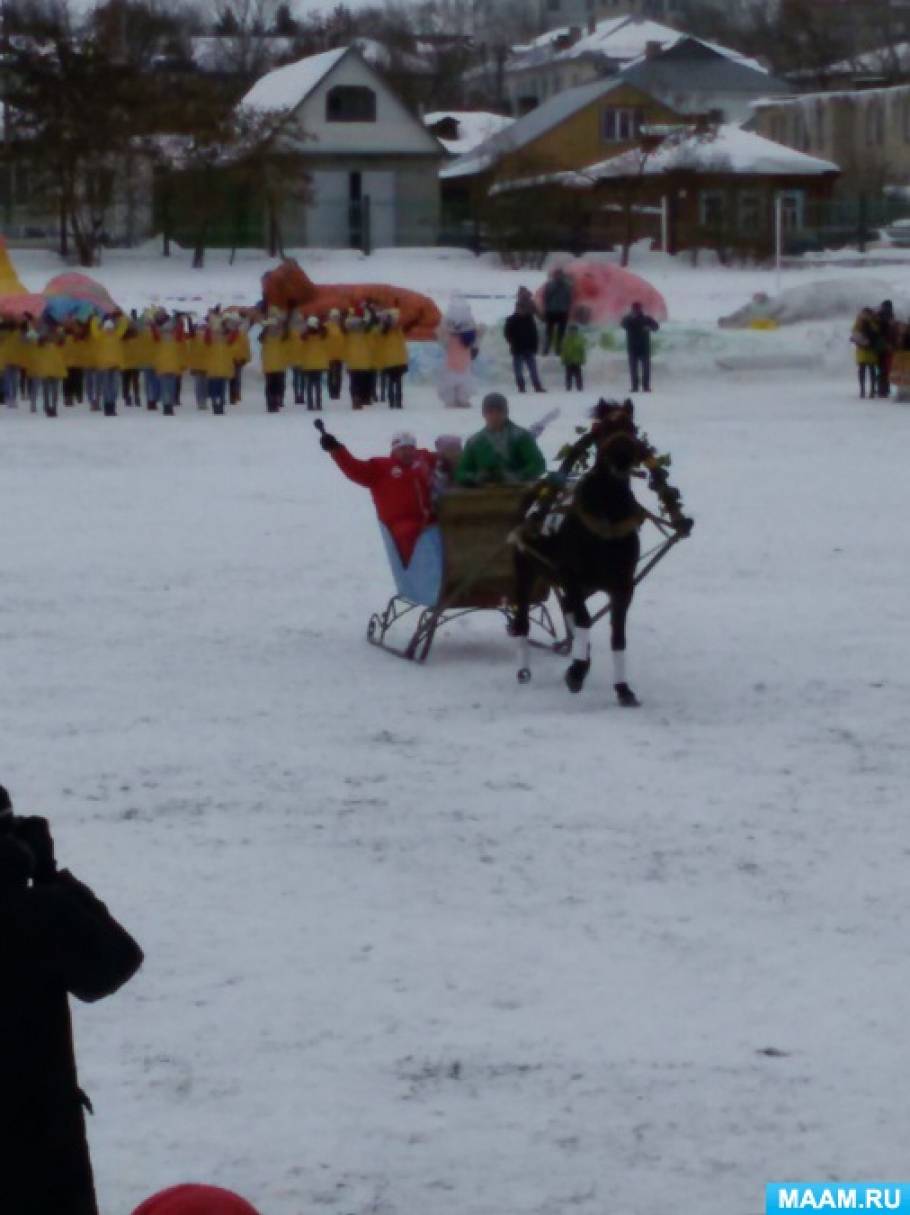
(460, 565)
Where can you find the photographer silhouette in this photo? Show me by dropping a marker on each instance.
(56, 939)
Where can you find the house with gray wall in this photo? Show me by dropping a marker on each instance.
(369, 168)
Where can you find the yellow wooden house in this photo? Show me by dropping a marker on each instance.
(578, 127)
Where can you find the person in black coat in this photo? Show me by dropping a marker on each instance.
(639, 327)
(56, 939)
(520, 332)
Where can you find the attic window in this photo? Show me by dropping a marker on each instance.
(350, 103)
(621, 125)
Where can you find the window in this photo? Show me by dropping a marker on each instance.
(621, 126)
(750, 213)
(350, 103)
(875, 124)
(792, 204)
(820, 127)
(712, 208)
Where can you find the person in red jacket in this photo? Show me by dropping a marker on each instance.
(400, 483)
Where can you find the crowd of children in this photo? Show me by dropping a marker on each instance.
(106, 360)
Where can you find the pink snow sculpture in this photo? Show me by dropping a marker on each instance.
(81, 287)
(195, 1200)
(604, 293)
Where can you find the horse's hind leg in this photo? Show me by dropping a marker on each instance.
(619, 610)
(578, 669)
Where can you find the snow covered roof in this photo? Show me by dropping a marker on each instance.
(287, 87)
(527, 128)
(863, 96)
(728, 150)
(474, 128)
(622, 40)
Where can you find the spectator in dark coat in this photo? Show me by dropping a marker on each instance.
(521, 333)
(558, 295)
(639, 327)
(56, 939)
(887, 344)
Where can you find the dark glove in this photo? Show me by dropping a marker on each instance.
(329, 443)
(35, 833)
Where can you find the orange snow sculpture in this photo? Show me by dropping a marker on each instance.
(289, 285)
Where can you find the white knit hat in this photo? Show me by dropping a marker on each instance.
(402, 438)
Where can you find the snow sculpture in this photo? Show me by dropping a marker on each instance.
(816, 301)
(605, 293)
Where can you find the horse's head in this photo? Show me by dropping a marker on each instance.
(610, 417)
(618, 452)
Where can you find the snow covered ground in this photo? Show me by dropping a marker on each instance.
(422, 940)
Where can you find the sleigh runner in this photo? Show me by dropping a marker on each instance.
(460, 565)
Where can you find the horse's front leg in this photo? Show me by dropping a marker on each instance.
(520, 627)
(619, 610)
(577, 610)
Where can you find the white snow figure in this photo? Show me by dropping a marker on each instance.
(459, 337)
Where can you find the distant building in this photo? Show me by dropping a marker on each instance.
(371, 166)
(866, 131)
(570, 57)
(714, 188)
(556, 13)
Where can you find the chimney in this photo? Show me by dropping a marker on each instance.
(652, 50)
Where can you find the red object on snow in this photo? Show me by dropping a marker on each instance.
(195, 1200)
(604, 293)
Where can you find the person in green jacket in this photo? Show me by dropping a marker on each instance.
(502, 453)
(574, 354)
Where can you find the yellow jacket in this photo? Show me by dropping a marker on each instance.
(315, 352)
(8, 340)
(218, 356)
(47, 362)
(168, 353)
(392, 349)
(334, 339)
(275, 352)
(359, 350)
(108, 343)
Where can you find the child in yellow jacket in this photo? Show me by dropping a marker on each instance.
(220, 348)
(273, 340)
(359, 356)
(392, 350)
(107, 336)
(169, 358)
(334, 337)
(315, 361)
(48, 369)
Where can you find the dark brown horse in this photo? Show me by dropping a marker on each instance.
(586, 539)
